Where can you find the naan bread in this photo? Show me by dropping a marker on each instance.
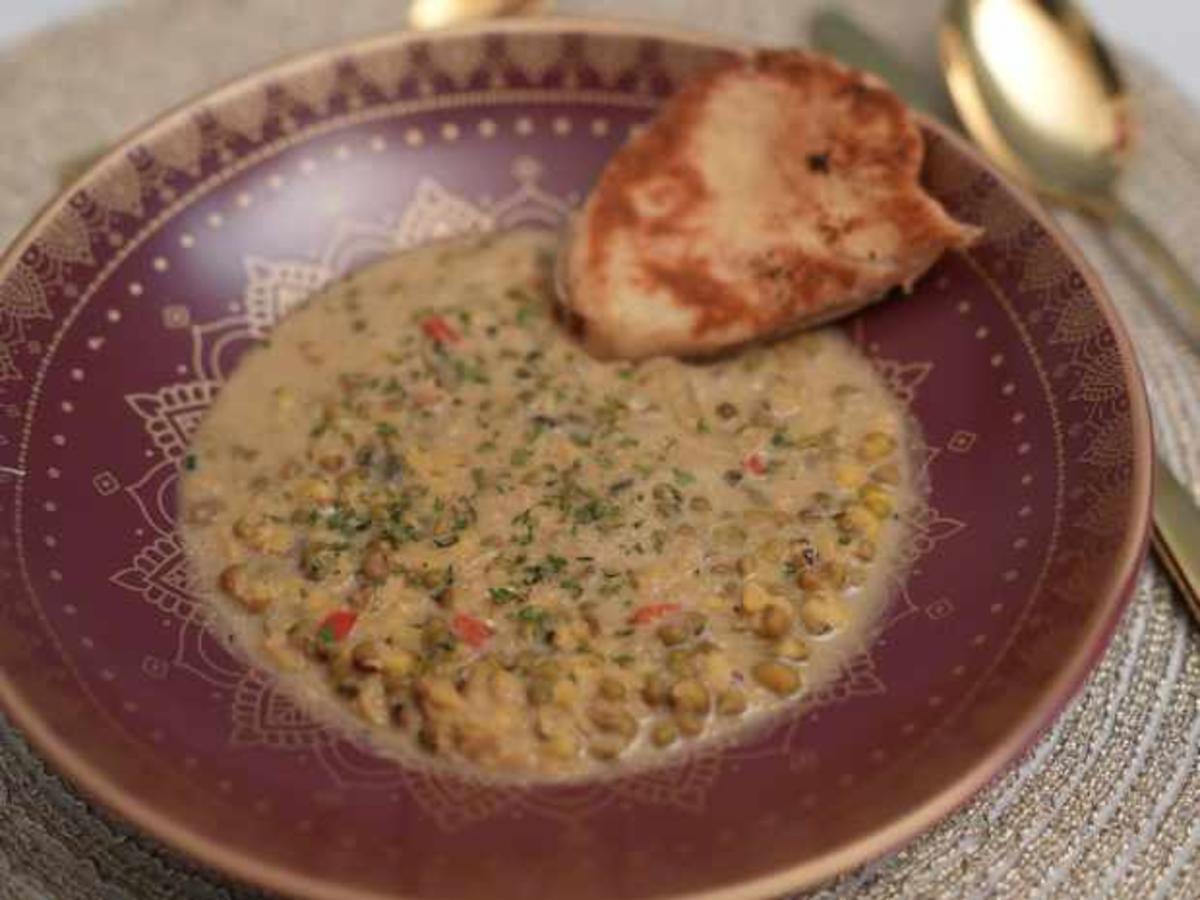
(772, 192)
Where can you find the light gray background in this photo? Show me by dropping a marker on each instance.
(1164, 31)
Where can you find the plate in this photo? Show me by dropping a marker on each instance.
(127, 303)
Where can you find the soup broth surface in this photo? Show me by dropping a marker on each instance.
(435, 517)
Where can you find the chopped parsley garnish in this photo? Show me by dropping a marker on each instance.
(470, 370)
(683, 478)
(537, 620)
(527, 524)
(502, 595)
(593, 511)
(346, 520)
(540, 571)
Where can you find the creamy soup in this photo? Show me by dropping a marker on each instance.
(424, 505)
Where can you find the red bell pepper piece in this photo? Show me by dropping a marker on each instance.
(437, 329)
(470, 629)
(646, 614)
(336, 625)
(755, 463)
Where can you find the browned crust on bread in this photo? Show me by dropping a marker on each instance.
(864, 136)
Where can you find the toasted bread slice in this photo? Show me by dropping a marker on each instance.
(771, 193)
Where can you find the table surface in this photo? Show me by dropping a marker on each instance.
(1164, 31)
(1107, 804)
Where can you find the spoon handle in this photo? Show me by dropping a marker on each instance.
(1177, 534)
(1184, 290)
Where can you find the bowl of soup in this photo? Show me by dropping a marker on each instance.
(334, 561)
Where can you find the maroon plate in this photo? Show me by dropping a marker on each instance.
(128, 302)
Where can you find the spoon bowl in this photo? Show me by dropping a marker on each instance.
(1041, 94)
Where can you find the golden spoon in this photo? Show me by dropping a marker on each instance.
(428, 14)
(1042, 97)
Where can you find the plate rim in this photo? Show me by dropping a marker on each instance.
(235, 861)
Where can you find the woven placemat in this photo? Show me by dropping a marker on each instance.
(1107, 804)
